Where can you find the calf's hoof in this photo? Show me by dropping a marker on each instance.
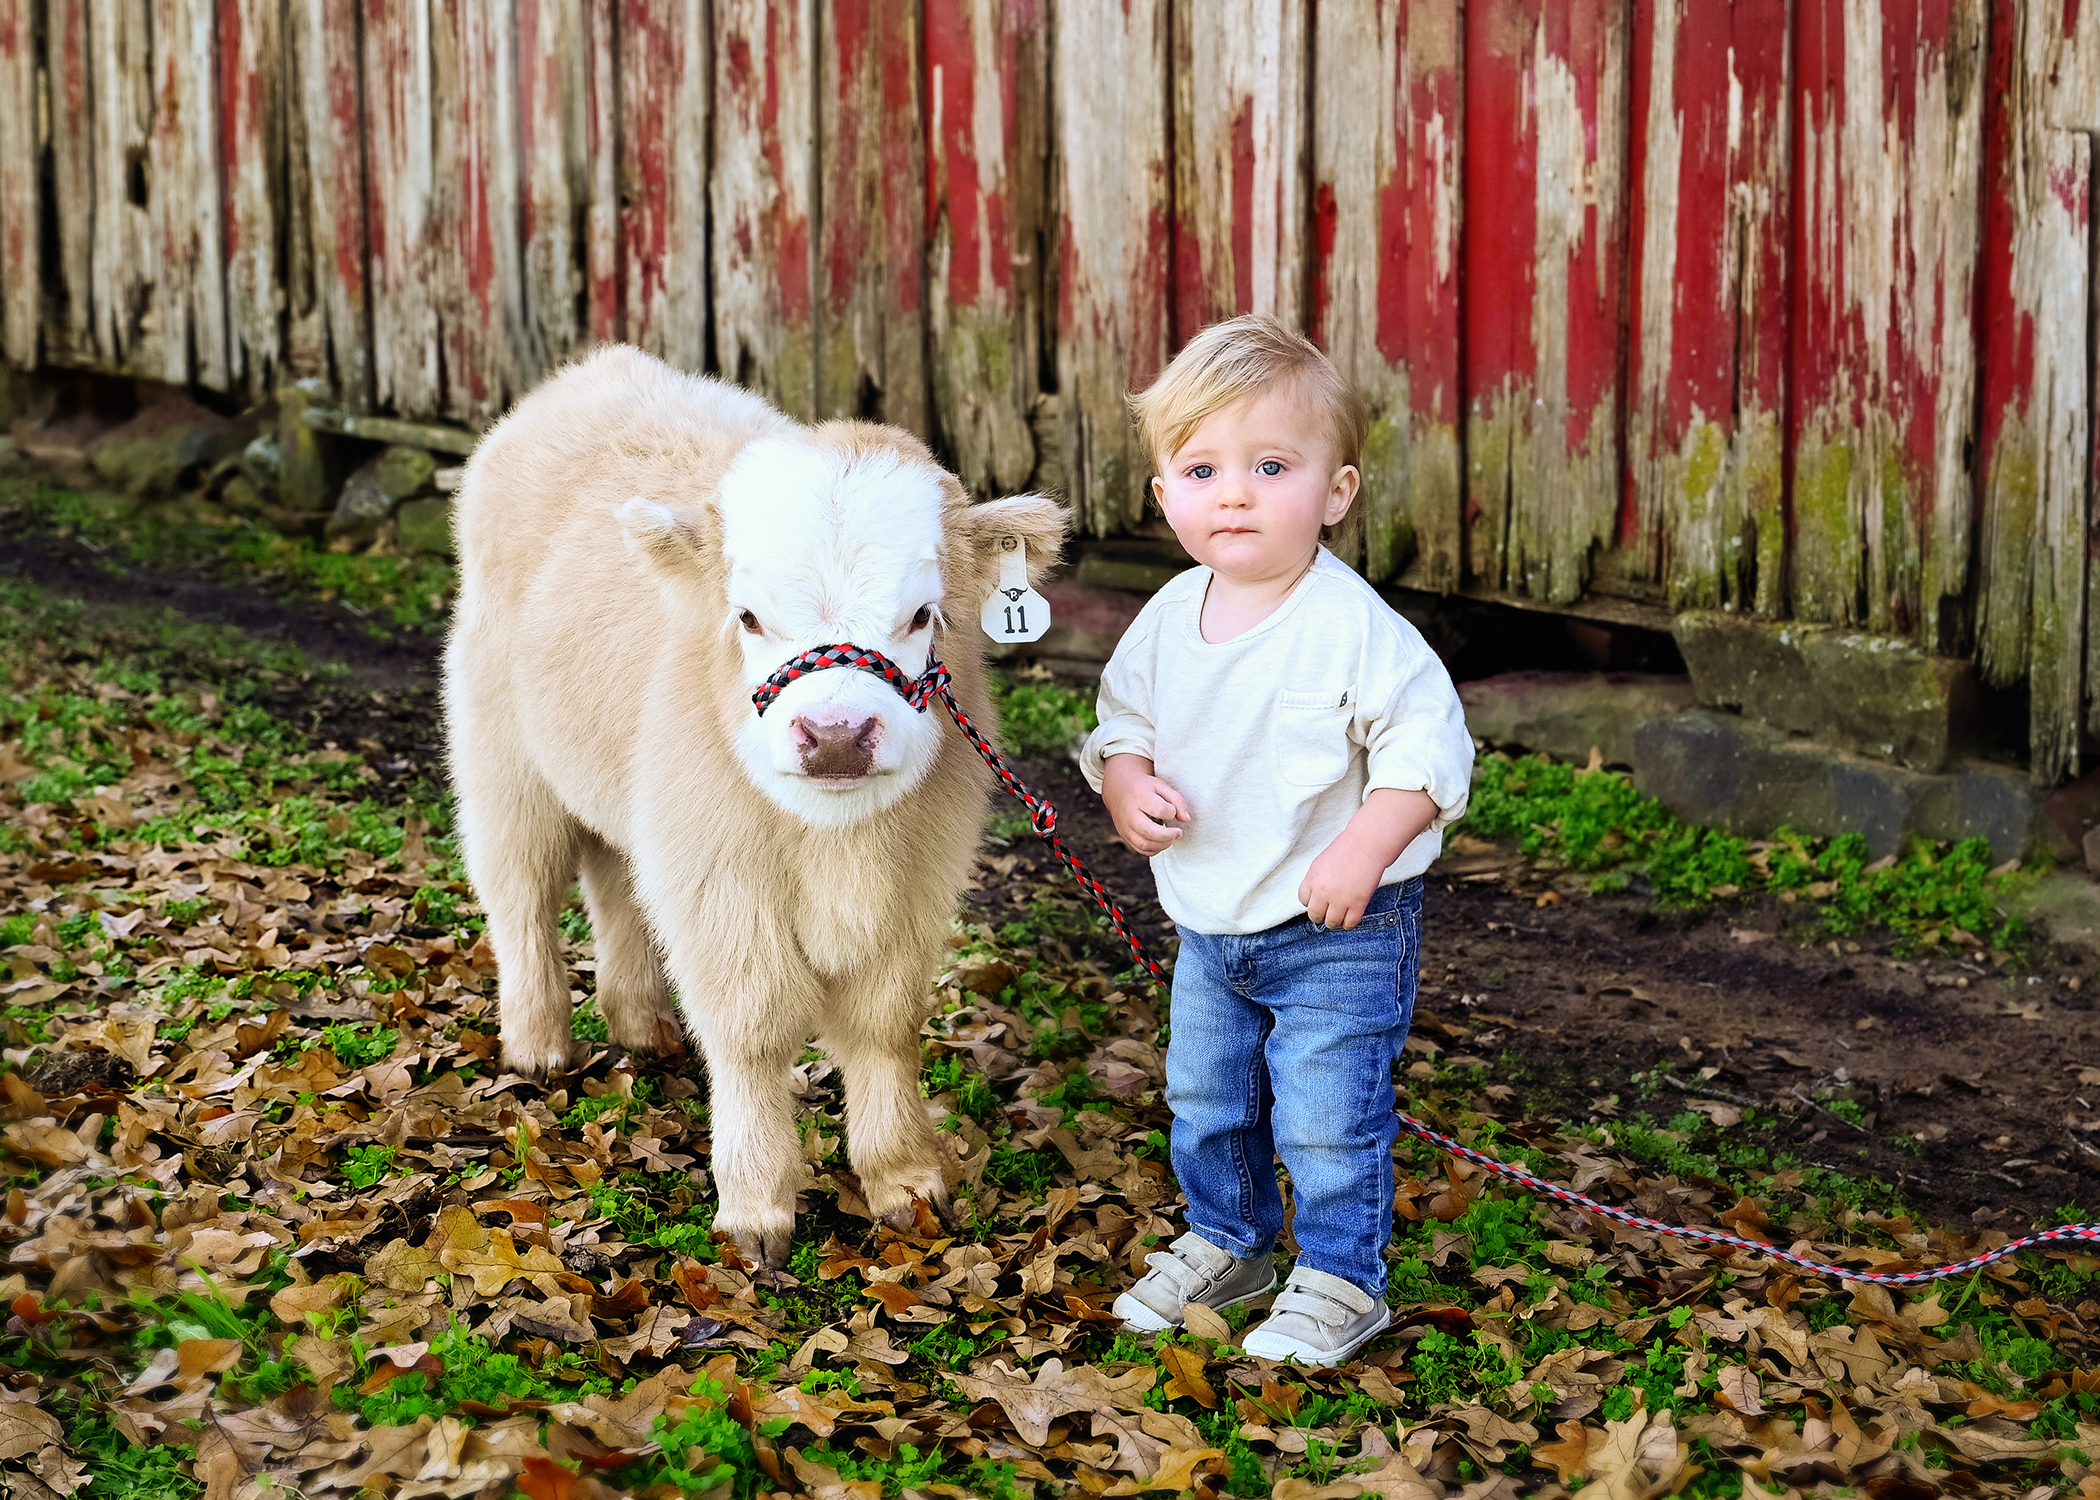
(764, 1248)
(538, 1060)
(922, 1217)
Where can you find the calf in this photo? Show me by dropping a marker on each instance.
(639, 550)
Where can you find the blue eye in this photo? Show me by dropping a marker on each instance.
(1201, 471)
(1270, 467)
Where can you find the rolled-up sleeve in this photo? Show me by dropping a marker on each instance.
(1124, 707)
(1414, 732)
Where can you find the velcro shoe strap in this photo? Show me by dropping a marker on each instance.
(1191, 1260)
(1323, 1298)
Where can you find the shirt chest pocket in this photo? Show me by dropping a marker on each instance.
(1312, 736)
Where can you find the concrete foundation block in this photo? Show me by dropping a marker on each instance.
(1563, 714)
(1872, 695)
(1734, 773)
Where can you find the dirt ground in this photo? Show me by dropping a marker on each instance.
(1976, 1082)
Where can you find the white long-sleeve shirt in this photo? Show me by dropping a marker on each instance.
(1277, 736)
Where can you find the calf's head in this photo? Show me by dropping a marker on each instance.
(842, 533)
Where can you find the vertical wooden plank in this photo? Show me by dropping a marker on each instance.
(1705, 509)
(325, 277)
(1111, 106)
(1385, 140)
(1888, 139)
(189, 290)
(1241, 204)
(401, 163)
(1546, 96)
(123, 324)
(482, 259)
(988, 123)
(69, 52)
(664, 155)
(601, 222)
(2032, 609)
(871, 262)
(21, 195)
(764, 193)
(252, 170)
(553, 99)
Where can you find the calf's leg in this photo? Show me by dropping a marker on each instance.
(871, 1030)
(633, 993)
(521, 849)
(752, 1006)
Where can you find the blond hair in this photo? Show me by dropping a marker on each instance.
(1238, 360)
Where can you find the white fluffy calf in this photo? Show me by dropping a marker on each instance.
(639, 550)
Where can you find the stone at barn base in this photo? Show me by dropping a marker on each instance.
(1562, 714)
(262, 464)
(1748, 778)
(405, 472)
(302, 473)
(2067, 819)
(2064, 907)
(1870, 694)
(425, 526)
(363, 505)
(164, 444)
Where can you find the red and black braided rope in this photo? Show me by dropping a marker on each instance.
(933, 683)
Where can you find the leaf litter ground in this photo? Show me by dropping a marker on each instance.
(277, 1219)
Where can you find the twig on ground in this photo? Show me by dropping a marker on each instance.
(1812, 1104)
(1723, 1095)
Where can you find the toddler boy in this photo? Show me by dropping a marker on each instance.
(1285, 748)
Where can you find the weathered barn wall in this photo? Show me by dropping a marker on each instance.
(1774, 306)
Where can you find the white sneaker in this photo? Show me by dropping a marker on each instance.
(1192, 1269)
(1319, 1320)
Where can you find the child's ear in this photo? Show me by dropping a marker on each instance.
(1158, 490)
(1341, 493)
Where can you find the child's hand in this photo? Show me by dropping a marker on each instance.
(1341, 882)
(1345, 876)
(1143, 807)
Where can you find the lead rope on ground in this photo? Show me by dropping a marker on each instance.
(934, 683)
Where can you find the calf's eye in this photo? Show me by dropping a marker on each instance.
(749, 621)
(923, 618)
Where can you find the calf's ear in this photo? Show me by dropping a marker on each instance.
(1038, 522)
(671, 537)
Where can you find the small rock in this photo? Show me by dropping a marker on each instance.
(262, 464)
(240, 496)
(163, 445)
(405, 471)
(364, 504)
(425, 526)
(302, 470)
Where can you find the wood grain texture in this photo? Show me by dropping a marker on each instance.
(1705, 510)
(666, 79)
(764, 193)
(554, 63)
(1109, 124)
(1888, 119)
(188, 202)
(120, 325)
(601, 158)
(252, 171)
(1546, 215)
(1240, 79)
(328, 337)
(21, 193)
(2032, 605)
(1386, 206)
(871, 261)
(987, 132)
(69, 49)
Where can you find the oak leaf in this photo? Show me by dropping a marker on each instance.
(1032, 1405)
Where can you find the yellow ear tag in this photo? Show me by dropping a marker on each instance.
(1015, 612)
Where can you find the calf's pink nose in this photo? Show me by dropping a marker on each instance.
(836, 747)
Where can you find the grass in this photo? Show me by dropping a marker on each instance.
(390, 591)
(1039, 717)
(1597, 824)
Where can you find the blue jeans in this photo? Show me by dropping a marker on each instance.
(1283, 1044)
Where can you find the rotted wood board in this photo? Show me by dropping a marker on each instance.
(666, 67)
(1386, 135)
(21, 193)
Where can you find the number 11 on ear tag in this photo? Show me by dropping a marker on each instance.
(1015, 612)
